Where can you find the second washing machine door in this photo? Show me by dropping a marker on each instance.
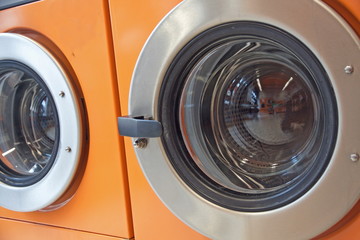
(244, 122)
(42, 128)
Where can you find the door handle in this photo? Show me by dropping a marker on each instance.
(139, 127)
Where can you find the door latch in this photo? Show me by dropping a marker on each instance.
(139, 126)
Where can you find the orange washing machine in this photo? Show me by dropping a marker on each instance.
(62, 167)
(243, 117)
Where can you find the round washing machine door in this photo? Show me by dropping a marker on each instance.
(245, 121)
(41, 127)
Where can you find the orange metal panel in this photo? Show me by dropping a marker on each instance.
(15, 230)
(353, 6)
(81, 30)
(132, 23)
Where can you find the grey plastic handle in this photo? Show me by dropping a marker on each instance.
(139, 127)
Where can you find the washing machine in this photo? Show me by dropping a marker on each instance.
(243, 117)
(62, 169)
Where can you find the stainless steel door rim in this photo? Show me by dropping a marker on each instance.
(51, 187)
(335, 45)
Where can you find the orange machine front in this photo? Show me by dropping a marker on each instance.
(132, 23)
(81, 31)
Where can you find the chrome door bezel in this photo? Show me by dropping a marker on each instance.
(53, 186)
(333, 41)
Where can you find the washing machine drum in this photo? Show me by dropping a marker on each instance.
(29, 125)
(251, 104)
(41, 130)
